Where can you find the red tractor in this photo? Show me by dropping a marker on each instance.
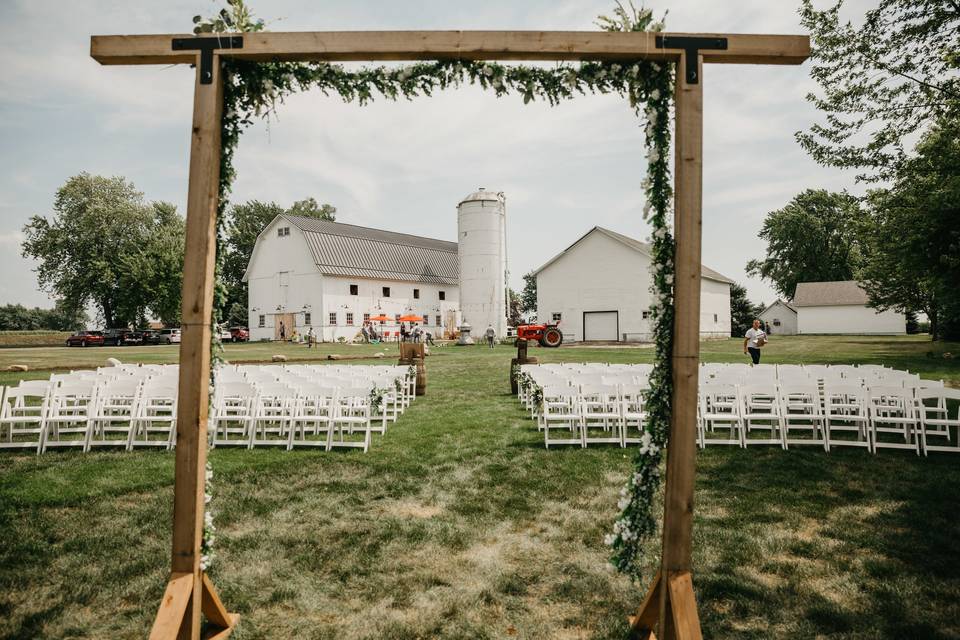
(548, 335)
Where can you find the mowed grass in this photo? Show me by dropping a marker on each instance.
(458, 524)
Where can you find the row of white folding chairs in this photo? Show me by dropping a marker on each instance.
(85, 413)
(874, 418)
(607, 413)
(324, 414)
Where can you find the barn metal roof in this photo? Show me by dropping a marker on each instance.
(350, 250)
(642, 247)
(829, 294)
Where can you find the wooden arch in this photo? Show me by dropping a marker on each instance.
(669, 607)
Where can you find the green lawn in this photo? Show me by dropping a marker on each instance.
(458, 524)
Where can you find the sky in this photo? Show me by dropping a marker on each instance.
(401, 166)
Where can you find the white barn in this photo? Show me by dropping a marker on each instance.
(781, 317)
(599, 289)
(841, 308)
(328, 276)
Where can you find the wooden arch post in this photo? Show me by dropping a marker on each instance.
(669, 608)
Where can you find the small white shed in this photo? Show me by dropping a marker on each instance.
(781, 317)
(840, 307)
(598, 288)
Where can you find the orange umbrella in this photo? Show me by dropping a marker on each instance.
(379, 318)
(411, 318)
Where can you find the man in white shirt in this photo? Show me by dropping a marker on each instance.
(753, 340)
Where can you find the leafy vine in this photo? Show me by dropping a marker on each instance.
(255, 89)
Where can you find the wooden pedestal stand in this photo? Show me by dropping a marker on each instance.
(522, 358)
(670, 606)
(412, 353)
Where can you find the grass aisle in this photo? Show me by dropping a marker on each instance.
(458, 524)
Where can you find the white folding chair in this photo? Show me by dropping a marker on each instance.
(719, 408)
(155, 423)
(845, 412)
(272, 411)
(801, 410)
(933, 406)
(893, 412)
(23, 415)
(69, 414)
(351, 414)
(314, 412)
(561, 410)
(633, 412)
(600, 416)
(761, 413)
(113, 413)
(231, 413)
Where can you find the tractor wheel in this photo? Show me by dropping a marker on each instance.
(552, 337)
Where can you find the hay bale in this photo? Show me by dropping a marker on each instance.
(113, 362)
(379, 355)
(18, 367)
(333, 356)
(278, 358)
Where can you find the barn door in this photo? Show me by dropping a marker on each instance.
(601, 325)
(289, 321)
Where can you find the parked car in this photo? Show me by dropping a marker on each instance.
(150, 336)
(239, 334)
(86, 339)
(224, 333)
(118, 337)
(133, 337)
(169, 336)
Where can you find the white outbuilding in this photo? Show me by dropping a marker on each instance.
(781, 317)
(598, 288)
(840, 307)
(306, 273)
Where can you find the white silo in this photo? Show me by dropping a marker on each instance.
(482, 240)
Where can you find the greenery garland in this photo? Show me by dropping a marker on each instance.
(255, 89)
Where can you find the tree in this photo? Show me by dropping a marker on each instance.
(515, 312)
(911, 235)
(528, 298)
(97, 222)
(153, 275)
(245, 222)
(812, 239)
(742, 311)
(882, 81)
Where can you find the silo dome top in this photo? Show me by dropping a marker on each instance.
(481, 194)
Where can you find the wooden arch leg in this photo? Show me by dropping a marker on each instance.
(684, 621)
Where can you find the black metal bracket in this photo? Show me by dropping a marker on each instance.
(692, 46)
(206, 46)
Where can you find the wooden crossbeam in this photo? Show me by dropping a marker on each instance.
(465, 45)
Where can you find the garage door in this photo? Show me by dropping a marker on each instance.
(600, 325)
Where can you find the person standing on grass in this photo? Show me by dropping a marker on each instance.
(754, 339)
(283, 332)
(490, 334)
(310, 338)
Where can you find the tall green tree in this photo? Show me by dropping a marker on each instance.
(528, 297)
(515, 312)
(882, 80)
(742, 311)
(812, 239)
(244, 223)
(153, 275)
(911, 235)
(97, 222)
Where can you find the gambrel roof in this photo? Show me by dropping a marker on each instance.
(636, 245)
(350, 250)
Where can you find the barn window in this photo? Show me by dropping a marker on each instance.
(714, 317)
(349, 318)
(645, 315)
(366, 318)
(354, 289)
(386, 292)
(307, 319)
(443, 295)
(283, 231)
(333, 318)
(439, 321)
(416, 293)
(556, 316)
(776, 322)
(263, 321)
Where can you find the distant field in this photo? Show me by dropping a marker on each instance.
(32, 338)
(459, 524)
